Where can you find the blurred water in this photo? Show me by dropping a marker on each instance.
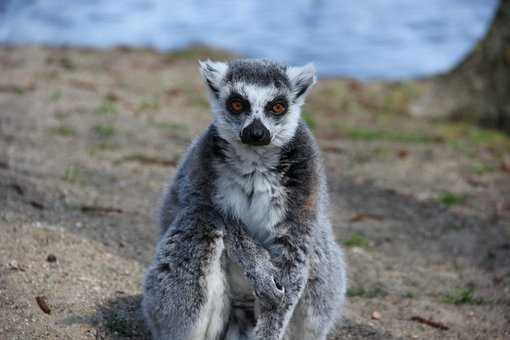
(363, 39)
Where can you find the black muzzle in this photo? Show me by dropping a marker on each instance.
(256, 134)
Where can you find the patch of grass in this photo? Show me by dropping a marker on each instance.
(356, 97)
(398, 98)
(454, 227)
(365, 134)
(118, 325)
(148, 105)
(338, 96)
(103, 130)
(462, 133)
(482, 169)
(356, 240)
(19, 91)
(373, 292)
(102, 147)
(462, 296)
(376, 291)
(56, 96)
(355, 291)
(381, 152)
(73, 174)
(408, 295)
(485, 136)
(107, 108)
(63, 130)
(309, 120)
(450, 199)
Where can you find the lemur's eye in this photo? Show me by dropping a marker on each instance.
(237, 105)
(278, 108)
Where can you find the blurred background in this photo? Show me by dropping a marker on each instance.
(363, 39)
(99, 99)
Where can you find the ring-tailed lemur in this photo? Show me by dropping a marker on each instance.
(246, 250)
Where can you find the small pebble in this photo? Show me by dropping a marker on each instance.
(376, 315)
(13, 265)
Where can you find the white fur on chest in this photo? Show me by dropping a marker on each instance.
(249, 188)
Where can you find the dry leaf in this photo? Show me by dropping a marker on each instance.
(505, 166)
(41, 302)
(362, 217)
(403, 154)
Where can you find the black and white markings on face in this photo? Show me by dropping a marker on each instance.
(257, 86)
(274, 107)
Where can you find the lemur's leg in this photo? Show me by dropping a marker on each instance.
(308, 322)
(322, 300)
(241, 324)
(290, 256)
(185, 296)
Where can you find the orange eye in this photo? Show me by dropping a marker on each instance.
(278, 108)
(237, 106)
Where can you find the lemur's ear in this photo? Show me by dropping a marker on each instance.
(301, 79)
(212, 73)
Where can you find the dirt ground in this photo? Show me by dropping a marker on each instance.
(88, 138)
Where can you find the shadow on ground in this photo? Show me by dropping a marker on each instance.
(118, 318)
(121, 319)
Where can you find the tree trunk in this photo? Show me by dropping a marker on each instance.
(478, 89)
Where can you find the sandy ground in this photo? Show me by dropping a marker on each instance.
(88, 138)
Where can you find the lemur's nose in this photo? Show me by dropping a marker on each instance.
(256, 134)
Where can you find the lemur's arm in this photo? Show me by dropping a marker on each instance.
(290, 256)
(291, 246)
(255, 260)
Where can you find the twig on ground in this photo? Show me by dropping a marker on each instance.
(332, 149)
(91, 208)
(19, 190)
(14, 88)
(431, 323)
(37, 205)
(149, 160)
(362, 217)
(83, 84)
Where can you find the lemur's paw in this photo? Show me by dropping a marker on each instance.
(267, 288)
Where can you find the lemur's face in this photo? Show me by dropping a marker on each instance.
(257, 102)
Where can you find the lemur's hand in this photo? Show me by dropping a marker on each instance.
(265, 283)
(256, 263)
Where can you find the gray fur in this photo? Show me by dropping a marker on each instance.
(246, 250)
(260, 72)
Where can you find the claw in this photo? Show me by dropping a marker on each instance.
(278, 285)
